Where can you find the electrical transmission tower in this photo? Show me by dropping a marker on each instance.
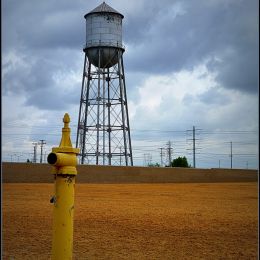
(41, 143)
(169, 152)
(35, 152)
(147, 159)
(161, 155)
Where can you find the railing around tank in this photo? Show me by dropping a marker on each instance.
(103, 43)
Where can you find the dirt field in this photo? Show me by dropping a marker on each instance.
(137, 221)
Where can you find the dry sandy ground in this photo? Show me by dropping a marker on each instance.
(137, 221)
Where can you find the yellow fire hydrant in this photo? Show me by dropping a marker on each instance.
(64, 160)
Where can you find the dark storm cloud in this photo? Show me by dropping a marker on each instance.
(164, 39)
(35, 75)
(47, 38)
(237, 69)
(42, 40)
(214, 97)
(49, 99)
(43, 24)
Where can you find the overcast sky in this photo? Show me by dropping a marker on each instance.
(187, 63)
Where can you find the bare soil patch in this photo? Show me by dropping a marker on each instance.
(137, 221)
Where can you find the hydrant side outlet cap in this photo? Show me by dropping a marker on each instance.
(52, 158)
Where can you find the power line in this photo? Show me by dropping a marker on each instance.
(149, 141)
(147, 130)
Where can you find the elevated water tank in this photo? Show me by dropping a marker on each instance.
(104, 34)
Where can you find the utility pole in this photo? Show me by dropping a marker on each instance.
(194, 148)
(41, 143)
(247, 164)
(34, 152)
(161, 154)
(218, 163)
(193, 139)
(169, 150)
(231, 155)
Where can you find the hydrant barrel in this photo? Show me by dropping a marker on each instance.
(62, 243)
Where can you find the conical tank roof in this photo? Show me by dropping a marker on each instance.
(104, 8)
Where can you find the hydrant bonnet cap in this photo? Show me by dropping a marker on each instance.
(66, 118)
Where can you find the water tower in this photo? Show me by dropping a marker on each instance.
(103, 133)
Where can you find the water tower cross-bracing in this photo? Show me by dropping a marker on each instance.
(103, 133)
